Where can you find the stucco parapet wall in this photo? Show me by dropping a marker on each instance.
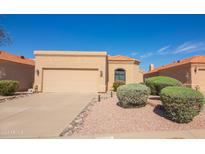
(70, 53)
(123, 62)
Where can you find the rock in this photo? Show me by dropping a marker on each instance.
(70, 132)
(78, 120)
(70, 126)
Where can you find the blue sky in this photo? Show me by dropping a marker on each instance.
(157, 39)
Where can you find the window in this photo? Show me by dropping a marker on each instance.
(119, 75)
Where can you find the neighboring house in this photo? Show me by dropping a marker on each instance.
(190, 71)
(83, 71)
(18, 68)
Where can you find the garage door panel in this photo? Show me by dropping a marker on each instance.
(65, 80)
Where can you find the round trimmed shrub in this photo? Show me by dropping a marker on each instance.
(133, 95)
(8, 87)
(181, 104)
(157, 83)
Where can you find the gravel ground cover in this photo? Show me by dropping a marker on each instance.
(106, 117)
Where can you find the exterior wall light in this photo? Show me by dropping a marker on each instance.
(101, 73)
(195, 69)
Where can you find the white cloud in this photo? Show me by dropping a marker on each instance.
(163, 48)
(147, 55)
(185, 48)
(159, 52)
(189, 47)
(134, 53)
(183, 45)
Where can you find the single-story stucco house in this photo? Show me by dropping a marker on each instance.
(190, 71)
(18, 68)
(68, 71)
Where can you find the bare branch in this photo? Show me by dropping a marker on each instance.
(4, 37)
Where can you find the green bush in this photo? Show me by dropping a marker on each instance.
(157, 83)
(181, 104)
(133, 95)
(116, 84)
(8, 87)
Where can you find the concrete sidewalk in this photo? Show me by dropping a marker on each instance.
(183, 134)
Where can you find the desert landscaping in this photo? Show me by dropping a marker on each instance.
(107, 117)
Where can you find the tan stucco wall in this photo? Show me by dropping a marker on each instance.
(198, 76)
(181, 73)
(16, 71)
(191, 74)
(150, 75)
(133, 72)
(71, 60)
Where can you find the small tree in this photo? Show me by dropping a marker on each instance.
(4, 37)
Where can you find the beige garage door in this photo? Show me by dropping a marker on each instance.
(65, 80)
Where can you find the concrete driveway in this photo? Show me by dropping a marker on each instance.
(42, 115)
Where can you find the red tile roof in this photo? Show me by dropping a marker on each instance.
(18, 59)
(194, 59)
(121, 58)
